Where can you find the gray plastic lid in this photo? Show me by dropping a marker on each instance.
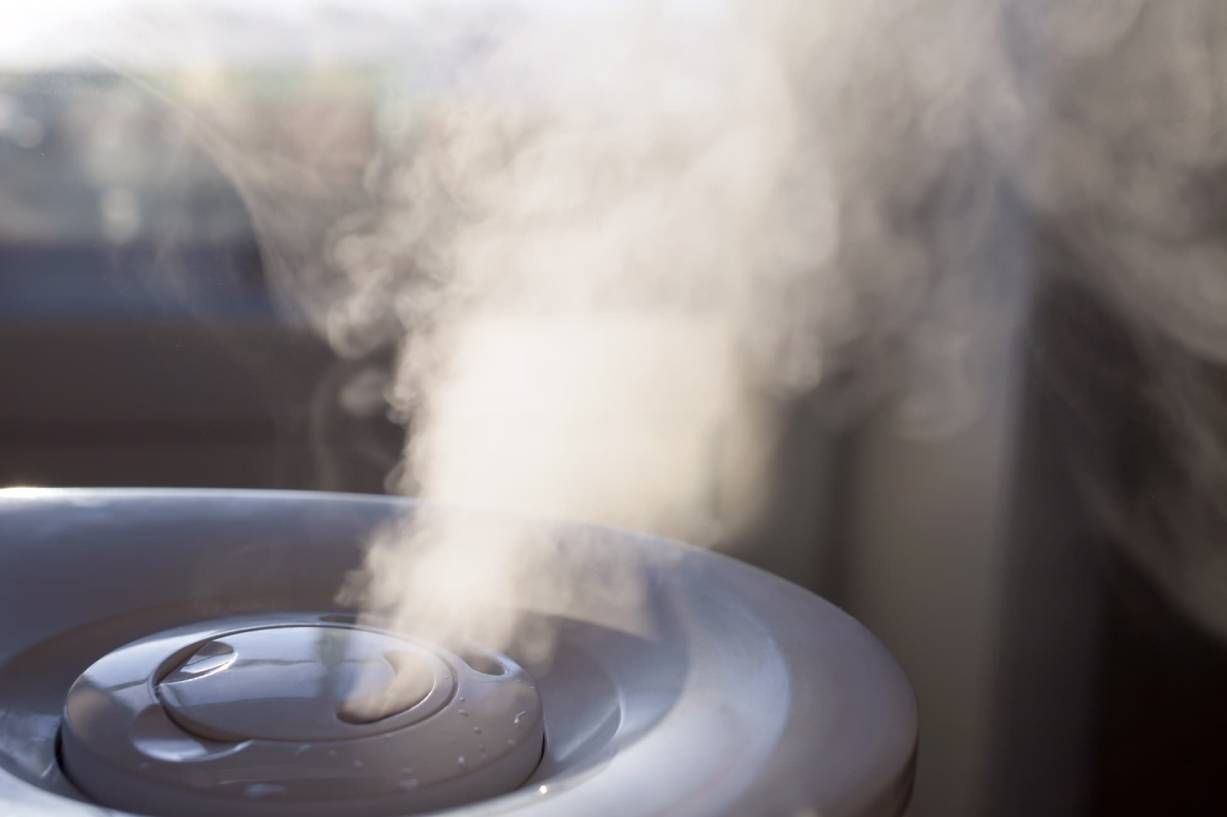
(298, 717)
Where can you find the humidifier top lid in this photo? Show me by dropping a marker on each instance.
(298, 717)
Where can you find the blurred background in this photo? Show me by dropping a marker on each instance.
(144, 342)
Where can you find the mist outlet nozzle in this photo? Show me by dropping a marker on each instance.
(298, 717)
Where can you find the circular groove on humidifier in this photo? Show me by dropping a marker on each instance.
(728, 691)
(297, 717)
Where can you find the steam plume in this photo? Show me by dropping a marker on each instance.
(609, 238)
(622, 232)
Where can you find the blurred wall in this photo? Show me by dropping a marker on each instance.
(925, 541)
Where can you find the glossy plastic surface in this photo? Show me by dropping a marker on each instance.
(254, 721)
(728, 692)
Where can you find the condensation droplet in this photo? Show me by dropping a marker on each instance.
(476, 730)
(120, 215)
(259, 790)
(409, 784)
(461, 762)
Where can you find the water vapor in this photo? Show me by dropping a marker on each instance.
(610, 239)
(618, 239)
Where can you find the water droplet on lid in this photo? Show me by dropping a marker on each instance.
(519, 717)
(511, 741)
(464, 712)
(120, 213)
(461, 762)
(476, 730)
(263, 790)
(543, 790)
(408, 785)
(302, 750)
(460, 698)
